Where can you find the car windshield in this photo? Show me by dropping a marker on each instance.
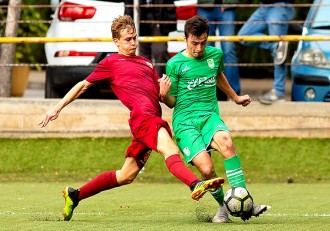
(322, 19)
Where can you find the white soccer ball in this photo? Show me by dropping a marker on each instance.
(238, 201)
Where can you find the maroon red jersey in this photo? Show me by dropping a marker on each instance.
(135, 83)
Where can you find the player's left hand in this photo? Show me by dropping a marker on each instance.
(164, 85)
(243, 100)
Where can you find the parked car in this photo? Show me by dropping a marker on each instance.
(71, 62)
(310, 66)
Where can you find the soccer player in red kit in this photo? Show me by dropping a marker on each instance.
(137, 85)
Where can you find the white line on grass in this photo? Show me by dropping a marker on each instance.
(296, 215)
(48, 213)
(102, 214)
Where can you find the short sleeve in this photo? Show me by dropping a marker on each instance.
(102, 71)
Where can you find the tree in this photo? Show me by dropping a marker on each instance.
(8, 49)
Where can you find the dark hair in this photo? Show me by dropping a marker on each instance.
(196, 26)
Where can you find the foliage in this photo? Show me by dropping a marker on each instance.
(32, 53)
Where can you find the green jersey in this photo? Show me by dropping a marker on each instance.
(194, 83)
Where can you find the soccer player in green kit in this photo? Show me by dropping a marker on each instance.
(195, 73)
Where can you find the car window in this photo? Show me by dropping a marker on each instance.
(322, 19)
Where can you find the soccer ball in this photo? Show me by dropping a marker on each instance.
(238, 201)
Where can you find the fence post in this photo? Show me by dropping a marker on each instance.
(8, 50)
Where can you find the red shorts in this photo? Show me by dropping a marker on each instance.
(145, 139)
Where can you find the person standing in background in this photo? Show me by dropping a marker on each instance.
(227, 17)
(274, 19)
(155, 51)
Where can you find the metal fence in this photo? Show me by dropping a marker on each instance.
(290, 38)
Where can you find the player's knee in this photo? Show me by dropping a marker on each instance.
(124, 178)
(226, 141)
(207, 172)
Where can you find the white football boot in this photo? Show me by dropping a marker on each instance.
(221, 216)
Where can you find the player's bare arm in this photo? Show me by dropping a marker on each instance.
(243, 100)
(73, 94)
(224, 85)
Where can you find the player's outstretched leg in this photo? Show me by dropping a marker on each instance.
(256, 211)
(221, 216)
(205, 186)
(70, 202)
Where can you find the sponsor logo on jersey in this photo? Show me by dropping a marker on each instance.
(185, 69)
(203, 81)
(186, 151)
(210, 62)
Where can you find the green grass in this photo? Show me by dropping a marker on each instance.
(153, 206)
(33, 172)
(264, 159)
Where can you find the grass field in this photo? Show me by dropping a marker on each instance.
(33, 172)
(152, 206)
(264, 159)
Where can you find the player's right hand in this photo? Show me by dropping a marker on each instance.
(164, 85)
(49, 116)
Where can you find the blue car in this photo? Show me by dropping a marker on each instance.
(310, 66)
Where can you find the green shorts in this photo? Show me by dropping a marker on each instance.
(195, 135)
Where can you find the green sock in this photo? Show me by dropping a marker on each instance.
(218, 195)
(234, 172)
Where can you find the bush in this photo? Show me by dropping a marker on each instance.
(32, 53)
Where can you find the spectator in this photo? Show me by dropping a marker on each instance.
(274, 19)
(157, 52)
(227, 17)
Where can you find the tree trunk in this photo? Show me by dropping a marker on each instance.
(8, 49)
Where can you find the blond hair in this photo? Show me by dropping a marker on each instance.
(122, 23)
